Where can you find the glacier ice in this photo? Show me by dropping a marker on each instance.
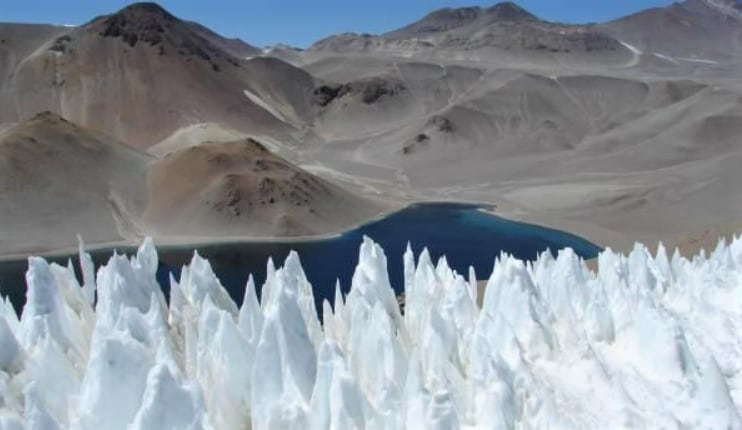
(646, 341)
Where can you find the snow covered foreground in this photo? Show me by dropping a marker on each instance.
(648, 342)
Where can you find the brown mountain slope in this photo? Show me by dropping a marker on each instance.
(58, 179)
(241, 189)
(235, 47)
(17, 41)
(141, 74)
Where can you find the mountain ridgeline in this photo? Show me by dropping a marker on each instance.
(607, 129)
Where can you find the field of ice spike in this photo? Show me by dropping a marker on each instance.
(647, 342)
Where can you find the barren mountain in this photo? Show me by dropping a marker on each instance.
(142, 74)
(18, 41)
(241, 189)
(617, 147)
(698, 30)
(452, 19)
(474, 33)
(620, 131)
(505, 26)
(58, 179)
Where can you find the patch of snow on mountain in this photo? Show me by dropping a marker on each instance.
(263, 104)
(649, 341)
(635, 52)
(728, 7)
(698, 60)
(665, 57)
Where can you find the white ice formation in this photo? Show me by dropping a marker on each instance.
(647, 342)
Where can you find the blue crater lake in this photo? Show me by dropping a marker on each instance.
(466, 235)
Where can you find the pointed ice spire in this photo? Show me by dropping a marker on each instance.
(266, 291)
(370, 286)
(177, 300)
(88, 271)
(735, 248)
(339, 328)
(251, 316)
(339, 301)
(200, 281)
(147, 256)
(114, 382)
(44, 314)
(36, 414)
(11, 353)
(424, 258)
(8, 312)
(473, 286)
(285, 361)
(414, 392)
(336, 402)
(297, 283)
(722, 255)
(409, 270)
(328, 318)
(662, 262)
(164, 388)
(380, 379)
(222, 353)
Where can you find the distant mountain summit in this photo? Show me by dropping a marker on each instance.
(440, 20)
(705, 30)
(151, 24)
(511, 12)
(475, 32)
(448, 19)
(698, 30)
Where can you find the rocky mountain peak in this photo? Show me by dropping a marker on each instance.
(145, 10)
(447, 19)
(146, 22)
(509, 11)
(150, 25)
(459, 14)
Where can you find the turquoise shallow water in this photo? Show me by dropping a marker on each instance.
(463, 233)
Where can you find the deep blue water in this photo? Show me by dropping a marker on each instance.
(463, 233)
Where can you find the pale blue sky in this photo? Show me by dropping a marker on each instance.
(301, 22)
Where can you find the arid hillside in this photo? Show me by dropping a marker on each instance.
(619, 131)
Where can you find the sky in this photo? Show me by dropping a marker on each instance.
(301, 22)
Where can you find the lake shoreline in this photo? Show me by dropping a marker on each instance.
(462, 232)
(194, 242)
(182, 242)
